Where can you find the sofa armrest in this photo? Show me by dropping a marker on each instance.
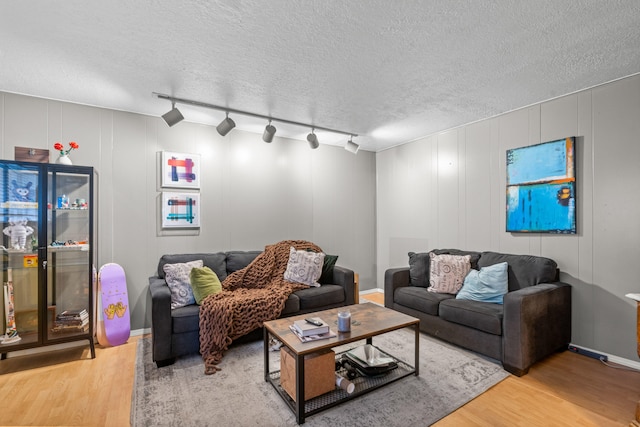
(344, 277)
(161, 322)
(394, 278)
(536, 323)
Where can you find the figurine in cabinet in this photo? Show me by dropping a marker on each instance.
(18, 231)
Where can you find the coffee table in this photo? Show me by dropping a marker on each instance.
(368, 320)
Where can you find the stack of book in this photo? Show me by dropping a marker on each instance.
(71, 321)
(308, 330)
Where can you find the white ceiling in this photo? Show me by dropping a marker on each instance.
(390, 71)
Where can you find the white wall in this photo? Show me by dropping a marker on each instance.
(252, 193)
(448, 190)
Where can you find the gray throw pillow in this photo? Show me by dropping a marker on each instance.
(419, 269)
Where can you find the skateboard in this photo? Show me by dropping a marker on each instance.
(114, 325)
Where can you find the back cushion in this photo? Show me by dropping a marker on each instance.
(237, 260)
(215, 261)
(419, 264)
(524, 270)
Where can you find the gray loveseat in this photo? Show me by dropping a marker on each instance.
(176, 332)
(533, 322)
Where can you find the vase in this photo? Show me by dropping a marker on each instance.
(64, 160)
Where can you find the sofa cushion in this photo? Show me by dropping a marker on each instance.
(204, 282)
(186, 319)
(418, 298)
(447, 272)
(327, 268)
(419, 269)
(488, 285)
(524, 270)
(484, 316)
(291, 305)
(320, 297)
(177, 277)
(304, 267)
(419, 264)
(215, 261)
(237, 260)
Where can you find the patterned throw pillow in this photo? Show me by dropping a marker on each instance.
(304, 267)
(177, 277)
(447, 272)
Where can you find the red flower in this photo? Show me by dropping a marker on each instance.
(73, 146)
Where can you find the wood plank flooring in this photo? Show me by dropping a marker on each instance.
(67, 387)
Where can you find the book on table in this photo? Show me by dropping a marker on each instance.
(306, 329)
(329, 334)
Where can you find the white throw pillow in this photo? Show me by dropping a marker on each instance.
(447, 272)
(177, 277)
(304, 267)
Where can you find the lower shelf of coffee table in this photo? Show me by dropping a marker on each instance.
(363, 384)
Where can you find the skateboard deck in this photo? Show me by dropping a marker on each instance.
(114, 325)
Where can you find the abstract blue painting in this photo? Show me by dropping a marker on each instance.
(541, 188)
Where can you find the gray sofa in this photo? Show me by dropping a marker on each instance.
(176, 332)
(533, 322)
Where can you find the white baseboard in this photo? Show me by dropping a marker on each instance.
(66, 345)
(613, 359)
(372, 291)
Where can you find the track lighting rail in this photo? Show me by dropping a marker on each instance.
(228, 110)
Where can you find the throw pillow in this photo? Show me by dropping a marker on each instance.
(304, 267)
(177, 277)
(490, 284)
(447, 272)
(327, 268)
(204, 282)
(419, 269)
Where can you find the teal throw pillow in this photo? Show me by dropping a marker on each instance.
(487, 285)
(204, 282)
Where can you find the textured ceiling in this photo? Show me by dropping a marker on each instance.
(390, 71)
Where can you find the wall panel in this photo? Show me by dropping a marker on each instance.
(599, 262)
(252, 193)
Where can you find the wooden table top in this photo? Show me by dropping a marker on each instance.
(367, 320)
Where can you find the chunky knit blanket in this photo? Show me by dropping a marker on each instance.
(249, 297)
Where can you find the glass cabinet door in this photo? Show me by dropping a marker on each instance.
(20, 222)
(69, 264)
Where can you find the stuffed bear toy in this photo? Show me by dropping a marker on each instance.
(18, 231)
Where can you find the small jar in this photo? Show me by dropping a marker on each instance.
(344, 321)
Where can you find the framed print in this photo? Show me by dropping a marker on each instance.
(180, 210)
(541, 188)
(180, 170)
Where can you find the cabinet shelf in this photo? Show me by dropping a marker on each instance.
(69, 248)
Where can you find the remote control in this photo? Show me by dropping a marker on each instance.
(313, 322)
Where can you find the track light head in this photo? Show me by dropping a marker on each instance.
(269, 132)
(351, 146)
(312, 138)
(225, 126)
(174, 116)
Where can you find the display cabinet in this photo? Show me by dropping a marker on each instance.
(47, 219)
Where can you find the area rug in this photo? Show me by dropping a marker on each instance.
(182, 395)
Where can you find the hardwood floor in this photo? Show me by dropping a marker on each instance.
(66, 387)
(565, 389)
